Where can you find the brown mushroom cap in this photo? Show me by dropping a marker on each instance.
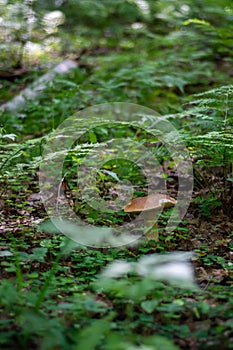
(153, 201)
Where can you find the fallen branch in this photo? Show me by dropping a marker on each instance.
(19, 101)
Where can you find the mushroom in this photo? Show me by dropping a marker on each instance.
(150, 206)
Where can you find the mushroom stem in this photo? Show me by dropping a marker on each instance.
(150, 218)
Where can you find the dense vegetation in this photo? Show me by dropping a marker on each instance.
(174, 57)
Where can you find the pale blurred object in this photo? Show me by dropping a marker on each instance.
(52, 20)
(175, 268)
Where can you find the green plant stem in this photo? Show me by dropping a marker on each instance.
(18, 271)
(49, 278)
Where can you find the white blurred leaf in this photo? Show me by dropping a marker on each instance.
(117, 269)
(5, 253)
(175, 268)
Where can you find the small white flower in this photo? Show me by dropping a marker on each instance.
(137, 25)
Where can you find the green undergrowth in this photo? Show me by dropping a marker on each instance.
(178, 62)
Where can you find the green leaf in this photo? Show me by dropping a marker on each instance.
(149, 305)
(91, 336)
(92, 136)
(196, 21)
(112, 174)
